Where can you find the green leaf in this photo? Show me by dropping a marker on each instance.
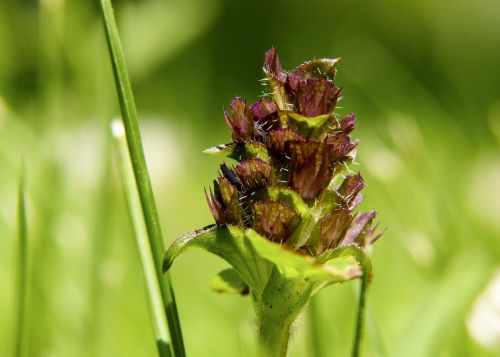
(229, 281)
(254, 257)
(348, 251)
(280, 280)
(230, 244)
(290, 263)
(241, 151)
(321, 68)
(310, 128)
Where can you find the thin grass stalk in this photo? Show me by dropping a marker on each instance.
(143, 182)
(22, 271)
(141, 235)
(358, 333)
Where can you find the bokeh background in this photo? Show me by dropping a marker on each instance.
(423, 78)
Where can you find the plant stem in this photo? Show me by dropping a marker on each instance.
(356, 349)
(141, 235)
(142, 180)
(277, 307)
(274, 334)
(22, 270)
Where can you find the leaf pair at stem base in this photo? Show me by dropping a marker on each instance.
(279, 280)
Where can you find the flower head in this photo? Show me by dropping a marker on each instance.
(285, 219)
(306, 147)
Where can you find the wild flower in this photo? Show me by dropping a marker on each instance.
(285, 213)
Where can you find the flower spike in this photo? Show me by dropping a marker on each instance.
(284, 222)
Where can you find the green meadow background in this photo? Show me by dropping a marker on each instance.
(423, 78)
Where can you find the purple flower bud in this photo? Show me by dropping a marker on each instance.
(253, 173)
(341, 145)
(274, 220)
(312, 89)
(278, 139)
(350, 190)
(334, 227)
(312, 167)
(224, 203)
(313, 96)
(265, 114)
(356, 201)
(272, 66)
(240, 121)
(348, 123)
(231, 176)
(276, 78)
(360, 229)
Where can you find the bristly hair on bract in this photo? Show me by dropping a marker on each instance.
(291, 146)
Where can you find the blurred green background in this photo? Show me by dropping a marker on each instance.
(423, 78)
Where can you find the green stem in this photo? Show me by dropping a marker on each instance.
(274, 334)
(143, 182)
(277, 307)
(356, 350)
(22, 233)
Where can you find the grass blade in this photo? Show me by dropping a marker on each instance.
(143, 182)
(141, 235)
(22, 265)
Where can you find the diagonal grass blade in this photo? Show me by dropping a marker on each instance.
(143, 182)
